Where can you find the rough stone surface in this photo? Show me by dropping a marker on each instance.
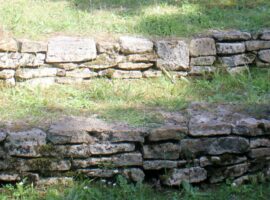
(259, 142)
(29, 46)
(237, 70)
(202, 61)
(69, 80)
(236, 60)
(81, 73)
(259, 153)
(29, 73)
(3, 136)
(8, 82)
(232, 36)
(152, 74)
(201, 70)
(165, 151)
(136, 175)
(202, 47)
(121, 74)
(7, 74)
(230, 48)
(249, 126)
(265, 35)
(25, 143)
(8, 177)
(134, 66)
(135, 45)
(264, 55)
(8, 44)
(106, 149)
(38, 82)
(173, 55)
(100, 173)
(255, 45)
(71, 49)
(159, 164)
(150, 57)
(108, 47)
(104, 61)
(55, 181)
(191, 175)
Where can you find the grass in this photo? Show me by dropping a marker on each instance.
(131, 101)
(38, 19)
(123, 190)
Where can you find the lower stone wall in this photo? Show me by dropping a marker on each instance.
(204, 144)
(69, 60)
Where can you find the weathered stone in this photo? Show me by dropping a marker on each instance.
(134, 66)
(265, 35)
(31, 60)
(249, 127)
(135, 45)
(29, 46)
(81, 73)
(264, 55)
(204, 161)
(108, 47)
(38, 82)
(227, 159)
(236, 60)
(152, 74)
(104, 61)
(179, 75)
(25, 143)
(55, 181)
(214, 146)
(121, 74)
(202, 47)
(29, 73)
(208, 124)
(100, 173)
(8, 44)
(7, 74)
(237, 70)
(259, 153)
(256, 45)
(71, 49)
(232, 36)
(191, 175)
(106, 149)
(8, 82)
(142, 57)
(262, 64)
(201, 70)
(159, 164)
(127, 135)
(230, 48)
(119, 160)
(168, 132)
(3, 136)
(66, 66)
(9, 177)
(173, 55)
(259, 142)
(202, 61)
(136, 175)
(9, 60)
(165, 151)
(67, 151)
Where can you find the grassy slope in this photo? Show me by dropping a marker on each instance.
(130, 100)
(34, 19)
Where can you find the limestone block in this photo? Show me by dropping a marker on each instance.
(230, 48)
(232, 36)
(202, 47)
(135, 45)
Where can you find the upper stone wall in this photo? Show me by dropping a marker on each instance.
(68, 60)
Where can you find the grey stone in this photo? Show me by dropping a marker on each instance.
(202, 61)
(29, 46)
(29, 73)
(134, 66)
(249, 127)
(202, 47)
(134, 174)
(191, 175)
(135, 45)
(173, 55)
(259, 142)
(159, 164)
(104, 61)
(25, 143)
(227, 159)
(264, 55)
(7, 74)
(179, 75)
(3, 136)
(152, 74)
(214, 146)
(256, 45)
(237, 70)
(55, 181)
(106, 149)
(201, 70)
(9, 60)
(236, 60)
(119, 160)
(9, 177)
(150, 57)
(81, 73)
(100, 173)
(259, 153)
(168, 132)
(66, 66)
(126, 134)
(265, 35)
(164, 151)
(108, 47)
(230, 48)
(8, 44)
(232, 36)
(261, 64)
(121, 74)
(32, 60)
(71, 49)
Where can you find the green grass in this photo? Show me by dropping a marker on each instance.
(132, 101)
(124, 190)
(37, 19)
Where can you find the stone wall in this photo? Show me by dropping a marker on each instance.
(68, 60)
(203, 144)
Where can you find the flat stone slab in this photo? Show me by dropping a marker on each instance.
(164, 151)
(202, 47)
(232, 36)
(135, 45)
(71, 49)
(230, 48)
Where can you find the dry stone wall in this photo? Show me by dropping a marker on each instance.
(69, 60)
(203, 144)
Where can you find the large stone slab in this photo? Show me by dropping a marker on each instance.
(135, 45)
(250, 127)
(259, 142)
(255, 45)
(202, 61)
(25, 143)
(8, 44)
(152, 73)
(9, 177)
(264, 55)
(237, 60)
(232, 36)
(134, 66)
(107, 149)
(71, 49)
(214, 146)
(81, 73)
(259, 153)
(230, 48)
(191, 175)
(202, 47)
(121, 74)
(265, 35)
(29, 46)
(159, 164)
(173, 55)
(29, 73)
(164, 151)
